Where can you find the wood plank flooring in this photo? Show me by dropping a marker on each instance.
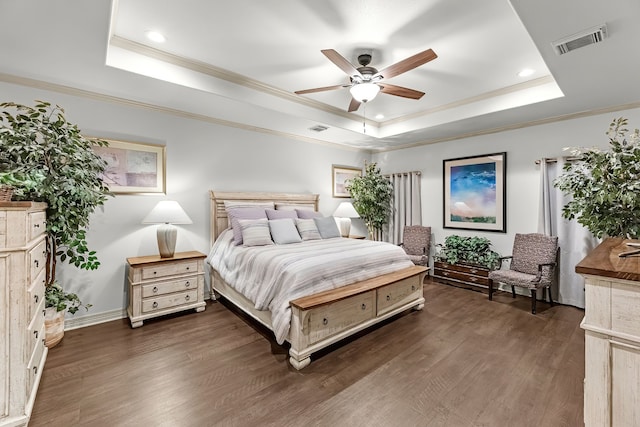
(462, 361)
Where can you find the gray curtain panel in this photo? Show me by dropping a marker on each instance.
(407, 208)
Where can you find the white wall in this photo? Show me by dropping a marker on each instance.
(523, 147)
(200, 156)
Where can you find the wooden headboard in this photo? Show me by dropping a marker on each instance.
(219, 220)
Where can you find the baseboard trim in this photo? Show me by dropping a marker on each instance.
(71, 323)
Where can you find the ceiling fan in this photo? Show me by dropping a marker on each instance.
(366, 81)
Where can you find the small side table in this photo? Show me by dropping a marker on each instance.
(159, 286)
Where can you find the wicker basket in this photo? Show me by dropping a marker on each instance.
(5, 193)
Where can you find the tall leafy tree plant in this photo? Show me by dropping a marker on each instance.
(371, 194)
(38, 144)
(605, 185)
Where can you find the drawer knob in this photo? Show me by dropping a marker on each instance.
(36, 334)
(155, 304)
(36, 298)
(187, 297)
(35, 370)
(473, 270)
(363, 306)
(36, 263)
(155, 289)
(325, 321)
(388, 297)
(187, 268)
(36, 225)
(413, 287)
(44, 312)
(187, 284)
(155, 272)
(473, 279)
(444, 273)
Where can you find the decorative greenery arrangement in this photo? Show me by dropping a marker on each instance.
(605, 185)
(468, 250)
(61, 300)
(46, 159)
(371, 194)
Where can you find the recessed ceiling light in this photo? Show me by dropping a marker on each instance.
(155, 36)
(379, 116)
(526, 72)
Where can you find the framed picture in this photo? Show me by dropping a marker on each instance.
(133, 167)
(341, 176)
(474, 193)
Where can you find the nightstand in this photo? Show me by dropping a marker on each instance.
(159, 286)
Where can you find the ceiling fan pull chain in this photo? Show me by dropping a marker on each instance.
(364, 118)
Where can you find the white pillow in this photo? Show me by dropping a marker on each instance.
(283, 231)
(255, 232)
(308, 229)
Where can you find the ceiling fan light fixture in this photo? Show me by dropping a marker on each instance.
(364, 92)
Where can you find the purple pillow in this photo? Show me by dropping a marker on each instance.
(308, 214)
(236, 214)
(276, 214)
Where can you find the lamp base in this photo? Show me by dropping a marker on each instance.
(344, 224)
(167, 234)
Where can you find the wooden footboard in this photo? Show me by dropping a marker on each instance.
(322, 319)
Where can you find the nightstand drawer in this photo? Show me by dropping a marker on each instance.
(172, 300)
(169, 269)
(162, 288)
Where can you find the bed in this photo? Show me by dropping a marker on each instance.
(333, 307)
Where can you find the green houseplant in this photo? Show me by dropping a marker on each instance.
(605, 185)
(468, 250)
(371, 194)
(46, 159)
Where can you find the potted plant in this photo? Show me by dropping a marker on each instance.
(371, 194)
(605, 185)
(468, 250)
(47, 159)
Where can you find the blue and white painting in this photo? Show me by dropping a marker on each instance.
(473, 193)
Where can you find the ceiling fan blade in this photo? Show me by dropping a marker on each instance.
(341, 62)
(318, 89)
(400, 91)
(408, 64)
(353, 105)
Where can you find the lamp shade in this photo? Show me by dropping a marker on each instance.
(346, 210)
(167, 212)
(364, 92)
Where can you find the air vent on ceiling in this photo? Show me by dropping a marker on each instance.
(318, 128)
(581, 39)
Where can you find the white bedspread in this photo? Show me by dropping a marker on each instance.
(271, 276)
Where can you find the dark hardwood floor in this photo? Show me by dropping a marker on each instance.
(462, 361)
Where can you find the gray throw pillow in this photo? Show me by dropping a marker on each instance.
(327, 227)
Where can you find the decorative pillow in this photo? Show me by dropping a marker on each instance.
(275, 214)
(283, 231)
(307, 229)
(255, 232)
(327, 227)
(236, 214)
(308, 214)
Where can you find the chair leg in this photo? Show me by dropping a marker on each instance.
(533, 301)
(550, 297)
(513, 291)
(490, 290)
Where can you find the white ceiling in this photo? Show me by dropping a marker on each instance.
(239, 62)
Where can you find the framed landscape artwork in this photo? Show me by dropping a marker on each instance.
(474, 192)
(341, 176)
(133, 167)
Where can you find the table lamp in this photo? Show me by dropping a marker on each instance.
(343, 215)
(166, 213)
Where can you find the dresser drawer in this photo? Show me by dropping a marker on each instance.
(396, 294)
(37, 258)
(34, 365)
(37, 224)
(36, 292)
(162, 288)
(173, 300)
(169, 269)
(330, 319)
(36, 333)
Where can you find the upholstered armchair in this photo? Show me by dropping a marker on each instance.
(533, 266)
(415, 242)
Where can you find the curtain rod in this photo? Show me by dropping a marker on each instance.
(405, 173)
(555, 160)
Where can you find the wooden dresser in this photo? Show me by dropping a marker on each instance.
(612, 336)
(22, 279)
(461, 275)
(159, 286)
